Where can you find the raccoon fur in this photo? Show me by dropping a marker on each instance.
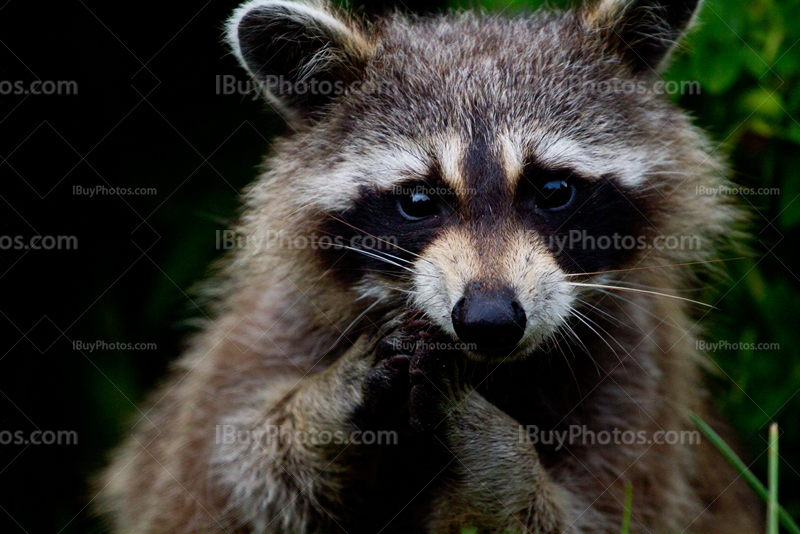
(466, 241)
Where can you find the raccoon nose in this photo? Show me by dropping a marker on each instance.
(491, 320)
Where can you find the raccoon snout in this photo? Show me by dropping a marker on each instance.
(492, 320)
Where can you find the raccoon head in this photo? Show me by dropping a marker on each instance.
(469, 166)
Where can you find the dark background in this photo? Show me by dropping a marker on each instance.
(146, 115)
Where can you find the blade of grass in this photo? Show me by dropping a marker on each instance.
(785, 519)
(772, 503)
(626, 510)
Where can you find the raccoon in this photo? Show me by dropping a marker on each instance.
(462, 244)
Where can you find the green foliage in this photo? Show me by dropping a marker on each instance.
(773, 508)
(770, 495)
(627, 510)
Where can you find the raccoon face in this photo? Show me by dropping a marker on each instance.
(469, 167)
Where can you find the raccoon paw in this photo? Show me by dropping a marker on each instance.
(413, 380)
(386, 385)
(435, 380)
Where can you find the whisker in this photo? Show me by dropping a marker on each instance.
(561, 350)
(410, 292)
(581, 317)
(398, 275)
(656, 173)
(650, 287)
(352, 324)
(618, 343)
(362, 297)
(656, 267)
(377, 238)
(597, 309)
(574, 335)
(644, 291)
(398, 258)
(642, 308)
(385, 260)
(378, 251)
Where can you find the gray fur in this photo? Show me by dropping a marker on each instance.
(266, 358)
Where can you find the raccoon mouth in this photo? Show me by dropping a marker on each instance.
(500, 355)
(492, 340)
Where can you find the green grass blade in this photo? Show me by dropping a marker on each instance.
(626, 511)
(772, 503)
(785, 519)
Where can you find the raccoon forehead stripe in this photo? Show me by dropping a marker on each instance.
(334, 187)
(627, 164)
(451, 155)
(513, 158)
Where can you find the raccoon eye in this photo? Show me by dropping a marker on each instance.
(416, 206)
(555, 195)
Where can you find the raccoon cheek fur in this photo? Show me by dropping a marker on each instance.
(421, 200)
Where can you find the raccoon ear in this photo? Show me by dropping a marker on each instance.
(643, 32)
(303, 54)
